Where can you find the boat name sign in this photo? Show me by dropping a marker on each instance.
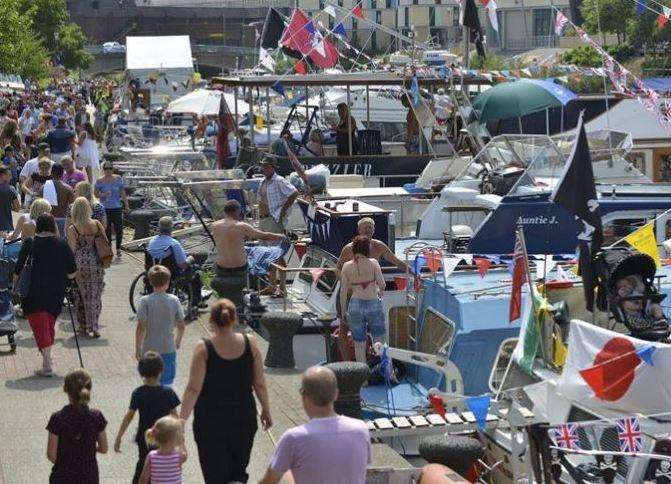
(537, 220)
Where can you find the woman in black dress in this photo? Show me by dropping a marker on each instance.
(345, 131)
(225, 369)
(52, 265)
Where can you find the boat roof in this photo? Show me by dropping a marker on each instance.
(348, 79)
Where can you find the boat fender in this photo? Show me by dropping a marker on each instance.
(457, 452)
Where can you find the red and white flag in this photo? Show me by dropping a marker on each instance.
(490, 6)
(519, 278)
(606, 369)
(560, 22)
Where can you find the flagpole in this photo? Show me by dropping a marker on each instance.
(520, 234)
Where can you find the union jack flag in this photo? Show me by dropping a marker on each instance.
(560, 22)
(629, 434)
(566, 436)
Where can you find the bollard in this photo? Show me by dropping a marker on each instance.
(457, 452)
(281, 328)
(350, 375)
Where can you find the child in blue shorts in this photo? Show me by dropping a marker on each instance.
(158, 314)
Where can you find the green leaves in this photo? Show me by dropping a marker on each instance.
(70, 47)
(21, 51)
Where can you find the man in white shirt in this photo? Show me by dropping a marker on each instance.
(31, 166)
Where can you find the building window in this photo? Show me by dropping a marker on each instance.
(406, 20)
(373, 41)
(355, 25)
(415, 2)
(340, 3)
(432, 16)
(95, 4)
(542, 21)
(321, 4)
(455, 16)
(373, 4)
(378, 17)
(388, 4)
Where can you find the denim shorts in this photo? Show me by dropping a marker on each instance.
(365, 315)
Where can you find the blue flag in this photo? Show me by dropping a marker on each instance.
(646, 353)
(339, 30)
(278, 87)
(310, 27)
(640, 7)
(418, 263)
(414, 90)
(479, 406)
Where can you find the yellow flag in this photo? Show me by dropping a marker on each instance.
(643, 240)
(259, 121)
(559, 350)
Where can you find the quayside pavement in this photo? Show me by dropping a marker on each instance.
(27, 401)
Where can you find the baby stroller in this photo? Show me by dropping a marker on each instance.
(9, 252)
(626, 279)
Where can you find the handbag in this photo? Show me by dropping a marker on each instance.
(103, 249)
(22, 285)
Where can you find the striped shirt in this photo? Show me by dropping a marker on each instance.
(165, 468)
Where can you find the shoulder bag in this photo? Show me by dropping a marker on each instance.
(22, 285)
(103, 249)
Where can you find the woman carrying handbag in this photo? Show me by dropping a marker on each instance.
(86, 238)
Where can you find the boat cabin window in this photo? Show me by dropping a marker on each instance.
(615, 230)
(436, 334)
(503, 357)
(400, 329)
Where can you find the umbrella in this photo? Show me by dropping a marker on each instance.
(519, 98)
(205, 102)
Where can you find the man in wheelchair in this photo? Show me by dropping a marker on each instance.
(166, 250)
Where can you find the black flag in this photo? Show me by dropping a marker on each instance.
(576, 192)
(470, 19)
(272, 29)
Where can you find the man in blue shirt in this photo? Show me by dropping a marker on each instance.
(61, 141)
(166, 250)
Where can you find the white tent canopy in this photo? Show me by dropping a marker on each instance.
(162, 66)
(629, 116)
(163, 52)
(205, 102)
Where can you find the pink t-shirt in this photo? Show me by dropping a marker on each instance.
(73, 178)
(165, 468)
(332, 450)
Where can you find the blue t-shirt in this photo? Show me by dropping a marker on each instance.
(159, 248)
(59, 140)
(112, 190)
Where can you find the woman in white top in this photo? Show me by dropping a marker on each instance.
(88, 157)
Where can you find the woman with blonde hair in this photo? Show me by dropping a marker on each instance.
(90, 272)
(25, 225)
(84, 189)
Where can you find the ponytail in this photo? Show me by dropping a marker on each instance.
(223, 313)
(77, 385)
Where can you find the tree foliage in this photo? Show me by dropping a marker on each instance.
(583, 55)
(607, 16)
(21, 51)
(70, 47)
(48, 16)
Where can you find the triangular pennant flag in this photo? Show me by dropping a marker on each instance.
(330, 10)
(300, 67)
(479, 406)
(278, 88)
(310, 27)
(358, 11)
(643, 240)
(640, 7)
(316, 274)
(318, 43)
(272, 29)
(483, 265)
(339, 30)
(646, 353)
(266, 60)
(449, 264)
(418, 263)
(467, 258)
(433, 262)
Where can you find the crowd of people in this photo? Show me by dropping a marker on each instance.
(70, 214)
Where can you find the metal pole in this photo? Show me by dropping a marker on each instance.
(307, 108)
(252, 120)
(268, 113)
(349, 122)
(466, 47)
(367, 106)
(235, 107)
